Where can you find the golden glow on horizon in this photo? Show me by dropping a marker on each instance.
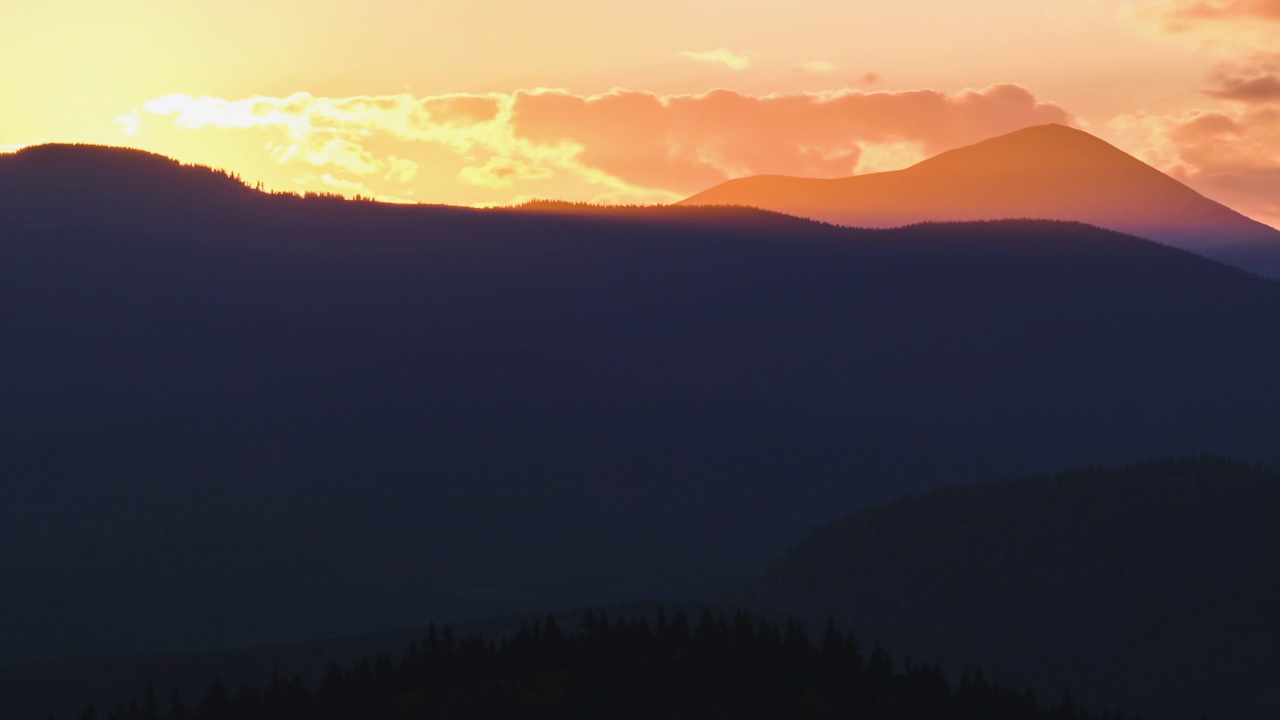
(439, 102)
(619, 146)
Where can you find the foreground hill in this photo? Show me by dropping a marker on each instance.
(1151, 587)
(235, 418)
(1048, 171)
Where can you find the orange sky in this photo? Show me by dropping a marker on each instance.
(493, 101)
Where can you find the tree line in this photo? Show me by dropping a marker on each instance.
(632, 669)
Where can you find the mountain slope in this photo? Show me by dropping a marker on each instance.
(1048, 171)
(1260, 255)
(1150, 587)
(218, 404)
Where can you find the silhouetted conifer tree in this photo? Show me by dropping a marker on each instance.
(177, 708)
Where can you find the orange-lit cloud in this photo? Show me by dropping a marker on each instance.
(1179, 12)
(688, 142)
(503, 172)
(1259, 89)
(1231, 151)
(817, 67)
(721, 56)
(1254, 78)
(1232, 156)
(623, 146)
(1227, 28)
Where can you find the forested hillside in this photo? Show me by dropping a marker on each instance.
(1149, 586)
(713, 667)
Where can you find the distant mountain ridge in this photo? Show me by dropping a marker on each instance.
(1050, 172)
(67, 171)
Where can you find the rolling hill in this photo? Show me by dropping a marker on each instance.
(1148, 587)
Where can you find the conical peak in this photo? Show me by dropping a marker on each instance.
(1054, 133)
(1037, 146)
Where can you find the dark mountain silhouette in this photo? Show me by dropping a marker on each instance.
(97, 177)
(1049, 171)
(1150, 587)
(235, 418)
(1260, 255)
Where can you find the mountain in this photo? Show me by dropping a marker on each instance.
(1148, 587)
(1048, 171)
(235, 418)
(1260, 255)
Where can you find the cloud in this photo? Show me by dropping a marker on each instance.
(623, 145)
(879, 157)
(1189, 11)
(400, 170)
(871, 78)
(1254, 78)
(340, 135)
(1228, 28)
(1260, 89)
(816, 67)
(502, 172)
(1232, 156)
(342, 153)
(1232, 153)
(129, 124)
(689, 142)
(721, 56)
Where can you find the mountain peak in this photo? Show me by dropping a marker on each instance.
(1036, 150)
(1050, 172)
(1051, 135)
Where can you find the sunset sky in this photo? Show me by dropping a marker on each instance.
(495, 101)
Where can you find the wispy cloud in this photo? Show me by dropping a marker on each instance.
(1258, 89)
(721, 56)
(1229, 28)
(1174, 13)
(816, 67)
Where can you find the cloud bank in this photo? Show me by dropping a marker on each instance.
(624, 145)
